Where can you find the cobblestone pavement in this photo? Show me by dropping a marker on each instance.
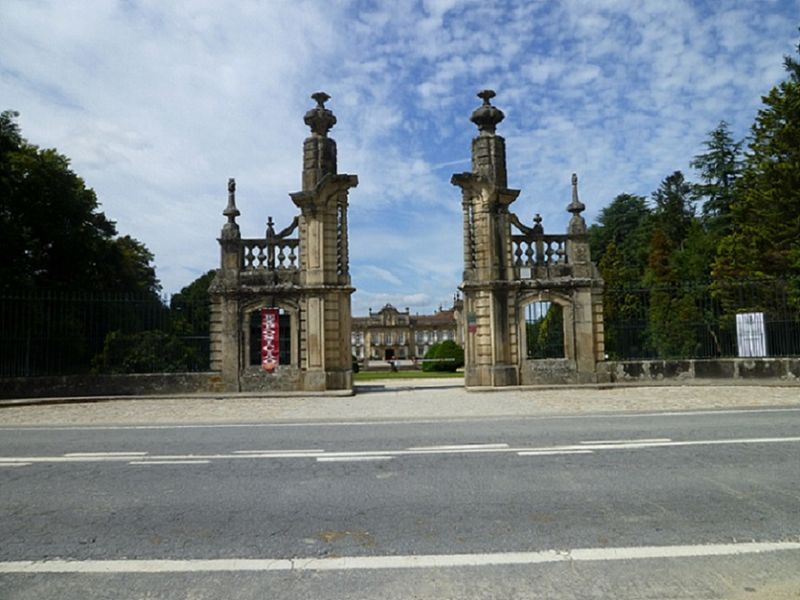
(434, 399)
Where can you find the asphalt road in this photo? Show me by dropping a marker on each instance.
(579, 498)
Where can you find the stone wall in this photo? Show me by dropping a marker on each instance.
(110, 385)
(726, 369)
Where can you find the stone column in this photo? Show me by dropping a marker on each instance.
(490, 339)
(324, 265)
(225, 327)
(587, 310)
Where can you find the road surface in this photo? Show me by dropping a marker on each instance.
(630, 505)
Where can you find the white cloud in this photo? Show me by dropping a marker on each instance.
(157, 104)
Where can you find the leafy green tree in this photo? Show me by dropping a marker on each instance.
(765, 217)
(54, 236)
(674, 207)
(191, 307)
(719, 167)
(627, 223)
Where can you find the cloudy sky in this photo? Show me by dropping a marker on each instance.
(158, 103)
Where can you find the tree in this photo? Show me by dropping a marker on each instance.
(765, 218)
(54, 236)
(674, 207)
(720, 167)
(626, 223)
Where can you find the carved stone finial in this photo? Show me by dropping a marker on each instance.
(319, 118)
(576, 224)
(231, 229)
(486, 116)
(270, 228)
(537, 224)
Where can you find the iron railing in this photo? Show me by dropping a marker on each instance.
(697, 320)
(61, 333)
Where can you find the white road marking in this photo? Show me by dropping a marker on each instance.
(553, 452)
(633, 441)
(19, 464)
(169, 462)
(349, 563)
(101, 454)
(302, 451)
(490, 449)
(392, 422)
(352, 458)
(460, 447)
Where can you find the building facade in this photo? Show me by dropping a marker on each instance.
(391, 335)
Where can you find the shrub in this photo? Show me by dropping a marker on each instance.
(444, 356)
(144, 352)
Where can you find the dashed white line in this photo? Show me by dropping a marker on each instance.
(352, 458)
(102, 454)
(632, 441)
(169, 462)
(18, 464)
(552, 452)
(422, 561)
(265, 452)
(583, 447)
(462, 447)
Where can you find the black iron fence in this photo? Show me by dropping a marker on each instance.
(62, 333)
(699, 320)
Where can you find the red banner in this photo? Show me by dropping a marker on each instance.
(270, 338)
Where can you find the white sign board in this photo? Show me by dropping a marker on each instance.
(751, 336)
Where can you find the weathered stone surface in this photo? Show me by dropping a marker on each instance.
(761, 368)
(714, 369)
(69, 386)
(503, 273)
(307, 278)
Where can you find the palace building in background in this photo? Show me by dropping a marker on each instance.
(394, 335)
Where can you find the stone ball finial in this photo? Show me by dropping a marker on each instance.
(486, 116)
(319, 118)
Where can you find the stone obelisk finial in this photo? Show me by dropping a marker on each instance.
(489, 149)
(319, 151)
(577, 224)
(231, 229)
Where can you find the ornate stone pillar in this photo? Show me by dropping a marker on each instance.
(587, 299)
(224, 327)
(324, 262)
(491, 347)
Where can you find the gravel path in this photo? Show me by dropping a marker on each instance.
(432, 399)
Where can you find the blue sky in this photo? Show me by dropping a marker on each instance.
(158, 103)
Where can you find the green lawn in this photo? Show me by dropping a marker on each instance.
(372, 375)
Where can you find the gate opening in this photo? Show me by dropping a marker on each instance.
(544, 330)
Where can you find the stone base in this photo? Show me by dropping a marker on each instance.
(484, 376)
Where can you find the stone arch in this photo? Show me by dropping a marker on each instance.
(302, 269)
(505, 270)
(564, 302)
(290, 309)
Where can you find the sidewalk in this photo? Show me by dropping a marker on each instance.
(428, 399)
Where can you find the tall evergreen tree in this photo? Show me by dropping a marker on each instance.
(674, 207)
(719, 167)
(765, 218)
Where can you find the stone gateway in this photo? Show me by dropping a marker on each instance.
(300, 274)
(533, 302)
